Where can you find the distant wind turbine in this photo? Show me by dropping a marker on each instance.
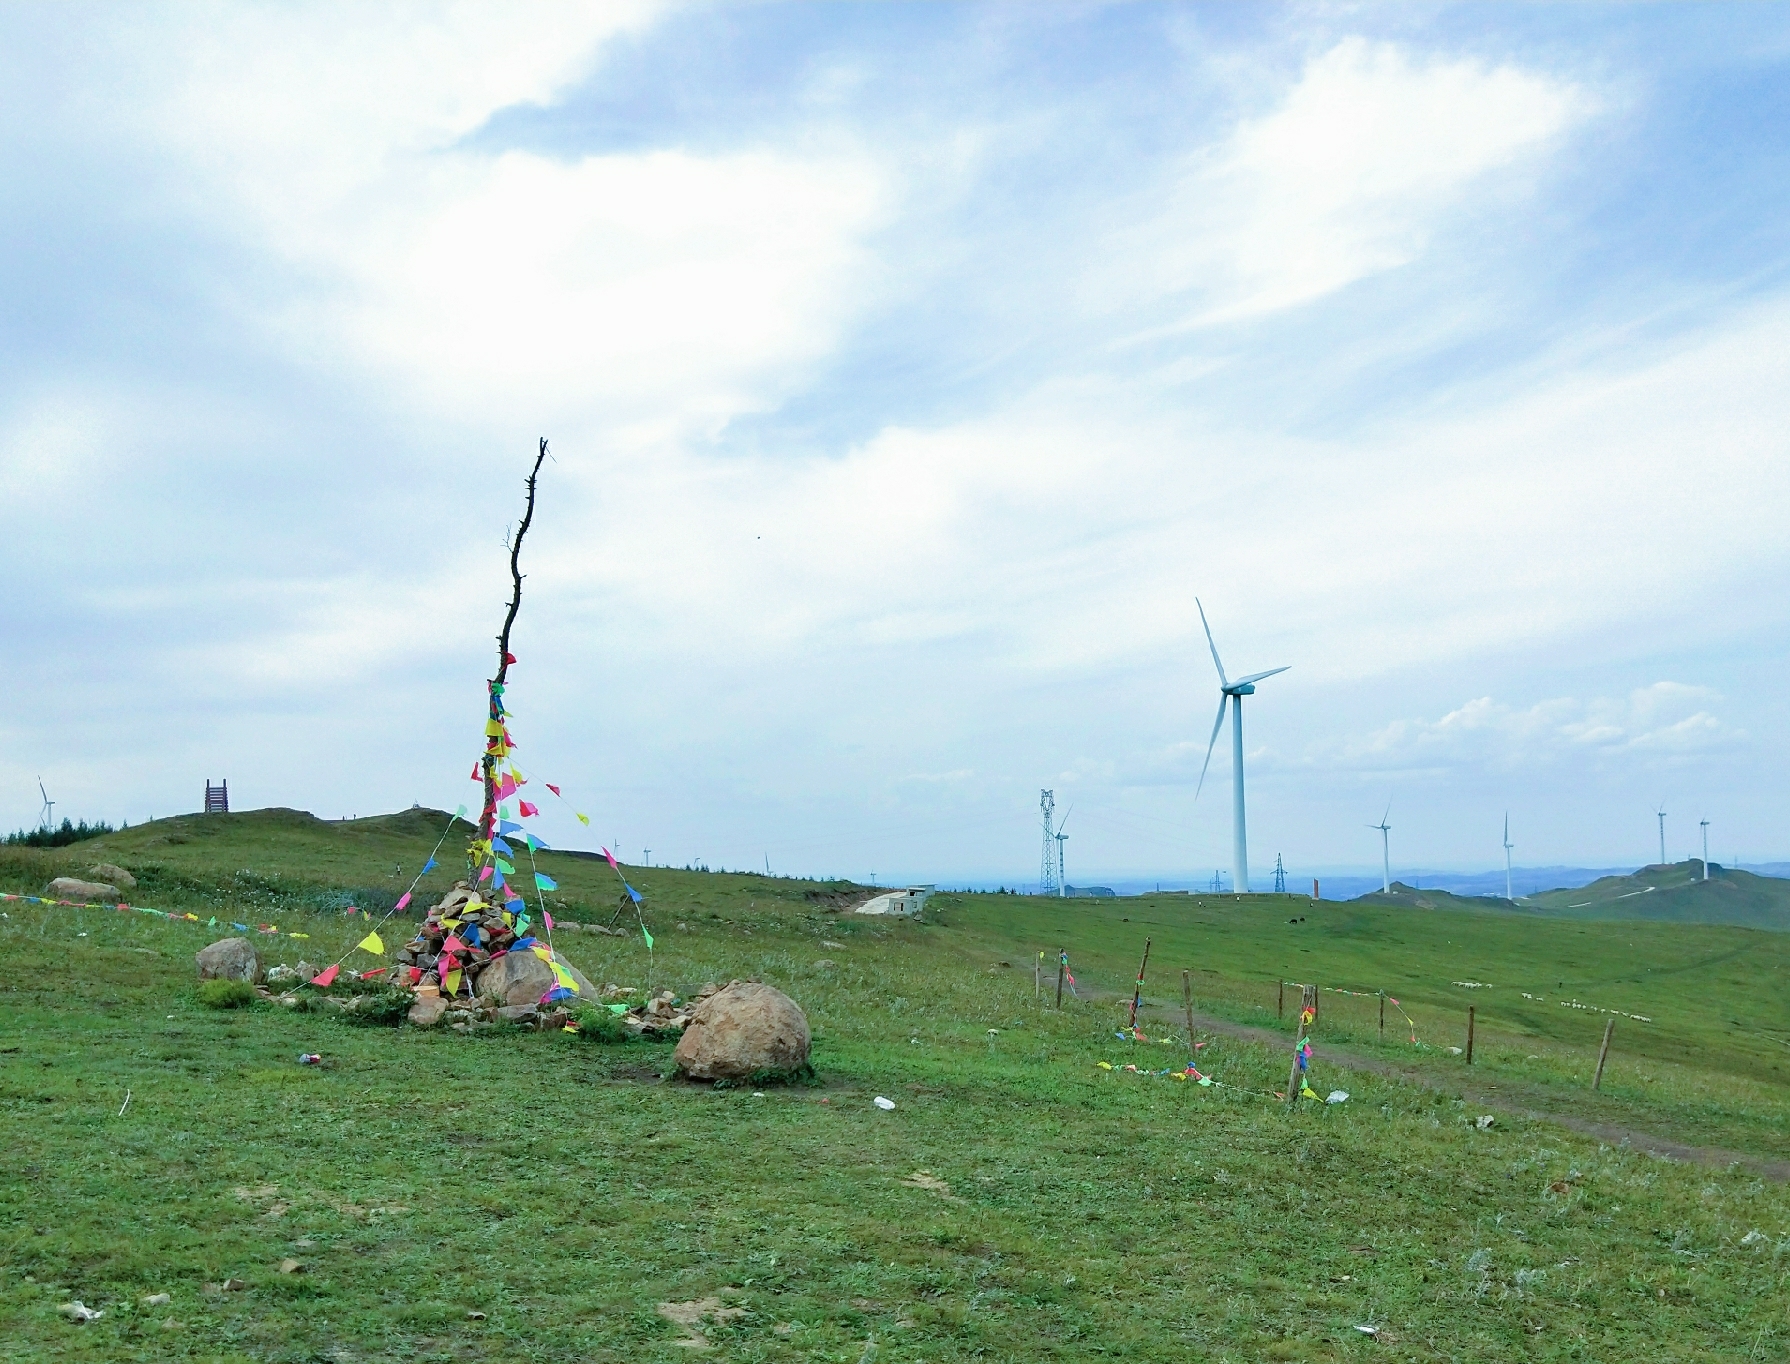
(1385, 850)
(1232, 694)
(1705, 824)
(1508, 845)
(1662, 833)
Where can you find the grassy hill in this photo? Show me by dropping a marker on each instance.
(1674, 893)
(1677, 893)
(1018, 1203)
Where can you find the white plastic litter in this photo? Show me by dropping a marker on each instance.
(79, 1311)
(1368, 1330)
(158, 1300)
(882, 1103)
(1485, 1122)
(1337, 1096)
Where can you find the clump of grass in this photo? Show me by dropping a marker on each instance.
(225, 994)
(598, 1024)
(387, 1009)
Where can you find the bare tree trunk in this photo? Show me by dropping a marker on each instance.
(496, 740)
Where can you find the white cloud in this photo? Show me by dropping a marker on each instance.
(1665, 721)
(1348, 177)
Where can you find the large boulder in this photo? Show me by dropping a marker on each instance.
(522, 978)
(229, 959)
(73, 888)
(742, 1031)
(118, 876)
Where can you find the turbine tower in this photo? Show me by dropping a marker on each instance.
(1049, 883)
(1062, 838)
(1232, 694)
(1385, 850)
(1508, 845)
(1662, 834)
(46, 817)
(1705, 824)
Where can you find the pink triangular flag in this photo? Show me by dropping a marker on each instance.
(549, 918)
(326, 978)
(611, 857)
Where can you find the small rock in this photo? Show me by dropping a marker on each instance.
(520, 1013)
(233, 1285)
(828, 942)
(1484, 1122)
(158, 1300)
(73, 888)
(118, 876)
(229, 959)
(475, 1316)
(825, 964)
(1753, 1238)
(428, 1010)
(291, 1267)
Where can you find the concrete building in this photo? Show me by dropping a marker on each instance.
(909, 901)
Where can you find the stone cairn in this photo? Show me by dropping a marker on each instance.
(483, 932)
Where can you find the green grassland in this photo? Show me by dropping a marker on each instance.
(1019, 1203)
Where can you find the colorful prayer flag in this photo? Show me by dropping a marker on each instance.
(583, 819)
(551, 787)
(545, 882)
(527, 810)
(611, 857)
(372, 943)
(325, 979)
(403, 900)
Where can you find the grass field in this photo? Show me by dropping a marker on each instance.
(1019, 1202)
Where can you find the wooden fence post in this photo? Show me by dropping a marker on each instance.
(1602, 1052)
(1137, 995)
(1382, 1018)
(1280, 1002)
(1308, 1004)
(1062, 965)
(1187, 1003)
(1038, 979)
(1469, 1034)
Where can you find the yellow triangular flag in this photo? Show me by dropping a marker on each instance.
(371, 943)
(583, 819)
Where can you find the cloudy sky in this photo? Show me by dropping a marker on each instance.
(909, 371)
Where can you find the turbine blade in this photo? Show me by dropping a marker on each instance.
(1065, 819)
(1213, 647)
(1217, 725)
(1388, 811)
(1257, 677)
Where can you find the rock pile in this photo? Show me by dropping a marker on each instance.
(459, 938)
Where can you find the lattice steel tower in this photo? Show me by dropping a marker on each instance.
(1049, 882)
(1280, 876)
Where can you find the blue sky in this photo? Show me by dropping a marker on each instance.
(909, 370)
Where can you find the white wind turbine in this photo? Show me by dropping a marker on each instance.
(1508, 845)
(1385, 850)
(1232, 694)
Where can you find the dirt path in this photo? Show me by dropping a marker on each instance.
(1490, 1098)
